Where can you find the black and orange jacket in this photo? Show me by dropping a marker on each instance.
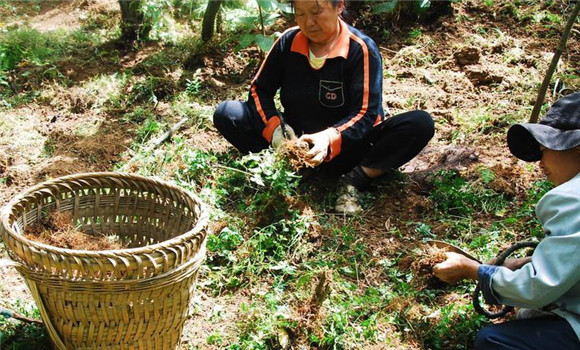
(343, 97)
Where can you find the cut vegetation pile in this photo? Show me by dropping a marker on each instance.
(58, 230)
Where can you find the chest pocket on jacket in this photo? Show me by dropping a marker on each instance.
(331, 93)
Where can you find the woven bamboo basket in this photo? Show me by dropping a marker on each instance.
(133, 298)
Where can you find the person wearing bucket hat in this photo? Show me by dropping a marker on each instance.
(547, 286)
(559, 130)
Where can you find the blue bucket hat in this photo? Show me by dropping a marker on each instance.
(559, 130)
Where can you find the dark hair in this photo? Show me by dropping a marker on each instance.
(334, 3)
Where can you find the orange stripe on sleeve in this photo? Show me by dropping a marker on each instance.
(366, 87)
(271, 125)
(258, 104)
(253, 88)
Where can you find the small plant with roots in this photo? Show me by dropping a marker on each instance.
(294, 152)
(423, 266)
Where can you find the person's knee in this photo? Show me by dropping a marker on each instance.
(486, 338)
(425, 124)
(220, 116)
(228, 114)
(482, 338)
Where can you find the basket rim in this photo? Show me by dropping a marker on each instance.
(202, 221)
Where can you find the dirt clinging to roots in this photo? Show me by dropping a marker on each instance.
(58, 230)
(423, 267)
(294, 152)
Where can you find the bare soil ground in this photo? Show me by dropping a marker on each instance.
(480, 62)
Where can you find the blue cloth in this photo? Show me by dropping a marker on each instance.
(529, 334)
(553, 275)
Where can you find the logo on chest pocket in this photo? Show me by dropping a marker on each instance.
(331, 93)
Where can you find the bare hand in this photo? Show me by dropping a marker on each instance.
(320, 142)
(456, 268)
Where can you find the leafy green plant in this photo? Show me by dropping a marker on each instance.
(390, 6)
(457, 324)
(526, 214)
(261, 187)
(15, 335)
(424, 230)
(487, 175)
(193, 86)
(259, 14)
(145, 132)
(138, 115)
(29, 47)
(198, 168)
(222, 246)
(414, 33)
(454, 195)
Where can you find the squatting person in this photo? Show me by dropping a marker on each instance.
(330, 79)
(547, 287)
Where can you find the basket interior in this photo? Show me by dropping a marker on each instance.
(138, 218)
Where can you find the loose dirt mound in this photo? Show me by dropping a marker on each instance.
(58, 230)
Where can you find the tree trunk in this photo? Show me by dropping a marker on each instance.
(208, 25)
(133, 27)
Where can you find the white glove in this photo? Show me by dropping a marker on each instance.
(278, 137)
(320, 143)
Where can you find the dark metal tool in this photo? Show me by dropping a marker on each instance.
(498, 262)
(283, 125)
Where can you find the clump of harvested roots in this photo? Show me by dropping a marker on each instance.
(294, 152)
(58, 230)
(423, 267)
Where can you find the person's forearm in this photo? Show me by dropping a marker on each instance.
(471, 268)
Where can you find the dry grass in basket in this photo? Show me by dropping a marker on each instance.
(58, 230)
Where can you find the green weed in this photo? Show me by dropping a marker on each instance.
(457, 324)
(452, 195)
(414, 33)
(138, 115)
(482, 121)
(261, 188)
(525, 217)
(107, 91)
(199, 115)
(198, 170)
(149, 128)
(29, 46)
(15, 335)
(49, 148)
(194, 85)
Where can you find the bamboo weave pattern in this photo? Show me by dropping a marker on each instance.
(134, 298)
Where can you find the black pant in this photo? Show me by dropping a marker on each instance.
(388, 146)
(529, 334)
